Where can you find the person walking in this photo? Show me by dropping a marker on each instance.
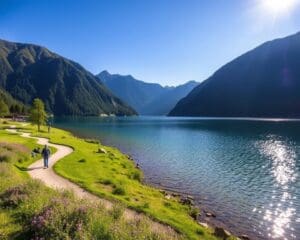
(46, 154)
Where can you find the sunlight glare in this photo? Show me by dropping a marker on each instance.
(279, 6)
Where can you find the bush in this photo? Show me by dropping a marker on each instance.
(62, 219)
(11, 152)
(137, 176)
(4, 157)
(90, 140)
(117, 211)
(146, 205)
(13, 196)
(194, 212)
(119, 191)
(106, 182)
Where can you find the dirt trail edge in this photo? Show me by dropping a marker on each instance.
(51, 179)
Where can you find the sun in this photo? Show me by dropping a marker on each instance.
(279, 7)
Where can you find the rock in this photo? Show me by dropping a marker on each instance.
(168, 196)
(203, 224)
(186, 201)
(222, 233)
(209, 214)
(102, 150)
(244, 237)
(175, 194)
(163, 191)
(190, 197)
(130, 157)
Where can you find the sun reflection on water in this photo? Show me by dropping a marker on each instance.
(283, 168)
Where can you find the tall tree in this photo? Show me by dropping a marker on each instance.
(38, 114)
(3, 109)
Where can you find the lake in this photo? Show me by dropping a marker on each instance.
(246, 171)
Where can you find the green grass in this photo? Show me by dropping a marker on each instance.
(30, 210)
(113, 176)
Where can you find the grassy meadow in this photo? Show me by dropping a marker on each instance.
(108, 174)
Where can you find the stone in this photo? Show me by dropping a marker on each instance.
(244, 237)
(190, 197)
(209, 214)
(102, 150)
(186, 201)
(222, 233)
(168, 196)
(130, 157)
(175, 194)
(203, 224)
(162, 191)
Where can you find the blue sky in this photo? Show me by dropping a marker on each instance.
(164, 41)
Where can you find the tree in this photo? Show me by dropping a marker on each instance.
(12, 109)
(17, 108)
(3, 109)
(38, 114)
(23, 110)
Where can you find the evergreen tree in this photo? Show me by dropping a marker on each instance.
(23, 110)
(3, 109)
(38, 114)
(17, 108)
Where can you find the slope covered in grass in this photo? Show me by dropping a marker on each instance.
(30, 210)
(110, 174)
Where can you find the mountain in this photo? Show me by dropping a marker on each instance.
(264, 82)
(28, 71)
(146, 98)
(163, 104)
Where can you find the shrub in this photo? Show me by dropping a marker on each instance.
(119, 191)
(62, 219)
(106, 182)
(199, 232)
(11, 152)
(194, 212)
(90, 140)
(137, 175)
(117, 211)
(4, 157)
(12, 197)
(146, 205)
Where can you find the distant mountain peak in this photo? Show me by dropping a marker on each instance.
(146, 98)
(104, 72)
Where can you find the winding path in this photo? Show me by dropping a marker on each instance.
(51, 179)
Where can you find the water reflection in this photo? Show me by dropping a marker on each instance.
(283, 169)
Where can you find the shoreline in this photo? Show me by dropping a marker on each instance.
(182, 223)
(207, 217)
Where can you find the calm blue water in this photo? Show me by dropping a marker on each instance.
(245, 171)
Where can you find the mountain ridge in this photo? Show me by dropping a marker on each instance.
(146, 98)
(260, 83)
(28, 71)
